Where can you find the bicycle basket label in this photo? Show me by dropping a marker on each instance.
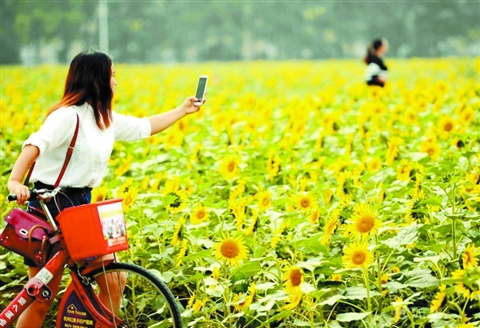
(75, 315)
(113, 223)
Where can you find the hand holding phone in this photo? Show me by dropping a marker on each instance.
(201, 90)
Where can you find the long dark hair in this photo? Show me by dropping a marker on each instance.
(372, 48)
(88, 80)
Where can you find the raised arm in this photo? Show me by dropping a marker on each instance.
(162, 121)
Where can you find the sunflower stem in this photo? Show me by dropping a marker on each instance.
(367, 286)
(409, 314)
(454, 239)
(379, 274)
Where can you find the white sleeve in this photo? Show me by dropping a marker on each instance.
(372, 70)
(57, 130)
(130, 128)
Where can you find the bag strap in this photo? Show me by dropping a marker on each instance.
(67, 157)
(69, 153)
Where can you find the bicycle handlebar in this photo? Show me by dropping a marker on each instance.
(38, 193)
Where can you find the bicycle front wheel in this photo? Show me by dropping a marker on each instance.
(144, 301)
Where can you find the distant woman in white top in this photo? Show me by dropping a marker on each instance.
(89, 90)
(376, 72)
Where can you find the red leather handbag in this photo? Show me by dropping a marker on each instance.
(27, 235)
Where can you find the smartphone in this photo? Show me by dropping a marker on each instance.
(201, 89)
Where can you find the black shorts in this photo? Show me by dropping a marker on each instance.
(70, 197)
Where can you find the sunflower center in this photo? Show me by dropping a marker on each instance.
(358, 258)
(468, 256)
(201, 214)
(448, 126)
(430, 151)
(305, 202)
(229, 249)
(231, 166)
(365, 224)
(265, 201)
(295, 277)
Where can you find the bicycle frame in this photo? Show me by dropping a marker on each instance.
(37, 289)
(87, 303)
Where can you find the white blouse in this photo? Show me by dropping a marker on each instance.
(92, 150)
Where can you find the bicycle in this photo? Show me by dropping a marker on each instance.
(138, 298)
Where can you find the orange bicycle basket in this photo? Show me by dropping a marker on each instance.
(94, 229)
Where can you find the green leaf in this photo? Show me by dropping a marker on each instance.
(332, 300)
(420, 278)
(352, 316)
(247, 270)
(199, 255)
(405, 236)
(301, 323)
(359, 293)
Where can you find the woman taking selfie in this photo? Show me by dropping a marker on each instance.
(87, 100)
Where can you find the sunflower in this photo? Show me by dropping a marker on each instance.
(231, 250)
(416, 206)
(330, 226)
(403, 170)
(446, 125)
(128, 192)
(123, 189)
(305, 201)
(398, 304)
(199, 214)
(278, 234)
(177, 234)
(292, 278)
(124, 167)
(264, 199)
(241, 302)
(467, 115)
(327, 196)
(365, 221)
(238, 208)
(253, 224)
(216, 272)
(314, 216)
(438, 299)
(346, 184)
(183, 251)
(469, 259)
(176, 201)
(336, 277)
(374, 164)
(198, 305)
(145, 182)
(99, 194)
(392, 151)
(357, 255)
(431, 147)
(175, 197)
(294, 300)
(129, 198)
(473, 178)
(229, 167)
(466, 325)
(273, 165)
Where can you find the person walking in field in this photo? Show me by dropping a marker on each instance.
(376, 72)
(89, 89)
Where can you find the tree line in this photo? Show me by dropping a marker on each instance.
(202, 30)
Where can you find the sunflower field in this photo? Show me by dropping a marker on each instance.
(297, 196)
